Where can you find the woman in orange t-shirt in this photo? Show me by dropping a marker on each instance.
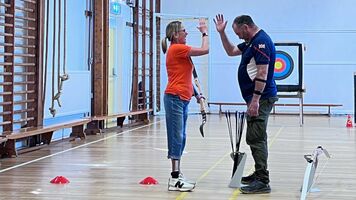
(178, 92)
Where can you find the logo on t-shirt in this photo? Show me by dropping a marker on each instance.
(261, 46)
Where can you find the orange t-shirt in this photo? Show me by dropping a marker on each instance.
(179, 70)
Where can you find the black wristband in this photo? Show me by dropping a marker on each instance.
(204, 34)
(260, 80)
(257, 92)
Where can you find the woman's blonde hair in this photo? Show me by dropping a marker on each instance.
(171, 29)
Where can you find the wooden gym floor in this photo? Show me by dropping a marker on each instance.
(111, 165)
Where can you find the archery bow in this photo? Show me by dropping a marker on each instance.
(200, 98)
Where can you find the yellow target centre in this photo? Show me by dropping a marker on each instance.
(278, 65)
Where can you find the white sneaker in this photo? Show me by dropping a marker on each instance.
(181, 176)
(178, 184)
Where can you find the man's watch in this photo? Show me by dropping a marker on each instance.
(204, 34)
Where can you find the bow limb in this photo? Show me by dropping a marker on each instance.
(200, 99)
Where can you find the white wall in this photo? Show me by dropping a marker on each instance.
(75, 98)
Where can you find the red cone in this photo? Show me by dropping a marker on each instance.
(349, 122)
(149, 181)
(60, 180)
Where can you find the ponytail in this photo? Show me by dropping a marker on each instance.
(164, 45)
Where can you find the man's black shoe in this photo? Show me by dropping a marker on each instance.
(248, 179)
(256, 187)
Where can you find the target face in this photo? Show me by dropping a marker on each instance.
(283, 66)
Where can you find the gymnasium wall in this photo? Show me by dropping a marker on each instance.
(75, 98)
(326, 28)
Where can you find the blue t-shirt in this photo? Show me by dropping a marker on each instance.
(259, 51)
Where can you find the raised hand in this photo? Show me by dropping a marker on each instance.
(220, 23)
(203, 28)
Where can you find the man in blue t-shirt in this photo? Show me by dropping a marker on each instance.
(258, 88)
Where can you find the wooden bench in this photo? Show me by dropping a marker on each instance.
(97, 122)
(329, 106)
(44, 132)
(220, 104)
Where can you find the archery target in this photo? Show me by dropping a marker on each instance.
(288, 68)
(283, 66)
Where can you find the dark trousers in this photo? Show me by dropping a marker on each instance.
(256, 137)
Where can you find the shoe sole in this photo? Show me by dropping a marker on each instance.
(180, 189)
(255, 192)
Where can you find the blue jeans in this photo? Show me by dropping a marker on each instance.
(176, 122)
